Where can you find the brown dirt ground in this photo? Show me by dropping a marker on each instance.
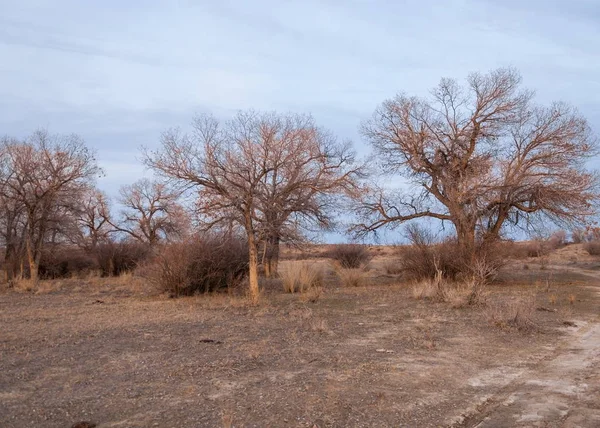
(106, 352)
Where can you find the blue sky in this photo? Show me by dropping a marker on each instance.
(120, 72)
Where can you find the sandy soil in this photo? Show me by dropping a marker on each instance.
(357, 357)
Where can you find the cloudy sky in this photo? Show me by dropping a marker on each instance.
(119, 72)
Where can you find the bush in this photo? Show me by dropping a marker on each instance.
(557, 240)
(578, 236)
(419, 262)
(592, 248)
(201, 264)
(537, 247)
(65, 262)
(351, 277)
(301, 276)
(393, 267)
(350, 256)
(116, 258)
(425, 259)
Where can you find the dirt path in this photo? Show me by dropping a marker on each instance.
(563, 390)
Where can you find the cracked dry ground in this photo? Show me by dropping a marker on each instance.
(362, 357)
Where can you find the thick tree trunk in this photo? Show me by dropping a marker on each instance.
(273, 259)
(254, 291)
(466, 241)
(33, 262)
(253, 268)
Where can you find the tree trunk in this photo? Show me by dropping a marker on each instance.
(9, 262)
(466, 241)
(33, 262)
(265, 258)
(252, 262)
(273, 258)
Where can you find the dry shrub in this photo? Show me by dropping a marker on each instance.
(592, 248)
(301, 276)
(516, 314)
(537, 247)
(66, 262)
(350, 256)
(115, 258)
(351, 277)
(393, 267)
(420, 262)
(578, 235)
(424, 258)
(530, 249)
(200, 264)
(557, 240)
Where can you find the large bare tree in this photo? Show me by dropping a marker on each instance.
(262, 171)
(42, 178)
(480, 156)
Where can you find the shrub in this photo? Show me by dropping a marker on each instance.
(65, 262)
(531, 249)
(419, 261)
(393, 267)
(350, 256)
(351, 277)
(592, 248)
(203, 263)
(578, 235)
(301, 276)
(115, 258)
(557, 240)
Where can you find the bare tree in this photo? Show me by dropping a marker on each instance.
(41, 177)
(481, 157)
(151, 212)
(92, 219)
(259, 171)
(12, 220)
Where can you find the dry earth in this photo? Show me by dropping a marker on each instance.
(357, 357)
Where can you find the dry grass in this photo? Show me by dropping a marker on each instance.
(436, 289)
(468, 293)
(227, 420)
(516, 314)
(319, 325)
(311, 295)
(351, 277)
(301, 276)
(458, 294)
(592, 248)
(393, 267)
(281, 351)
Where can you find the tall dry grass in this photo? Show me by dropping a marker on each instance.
(301, 276)
(351, 277)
